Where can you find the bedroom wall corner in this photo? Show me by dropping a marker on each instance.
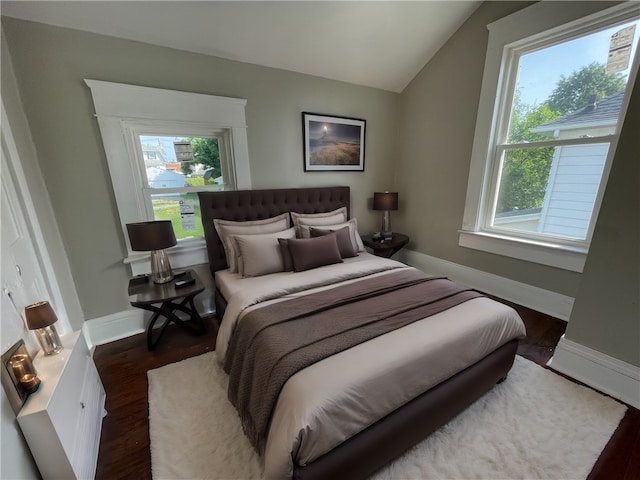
(438, 112)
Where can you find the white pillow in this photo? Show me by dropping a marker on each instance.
(261, 254)
(358, 246)
(226, 228)
(339, 215)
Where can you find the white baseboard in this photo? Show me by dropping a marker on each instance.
(115, 326)
(545, 301)
(607, 374)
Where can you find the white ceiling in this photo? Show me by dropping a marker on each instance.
(381, 44)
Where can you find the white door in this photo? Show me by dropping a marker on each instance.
(21, 278)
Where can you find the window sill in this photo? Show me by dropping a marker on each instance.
(564, 257)
(187, 254)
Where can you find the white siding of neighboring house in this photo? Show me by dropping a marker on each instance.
(572, 188)
(524, 223)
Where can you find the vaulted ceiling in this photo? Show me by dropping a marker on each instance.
(381, 44)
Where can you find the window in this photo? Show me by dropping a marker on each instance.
(559, 96)
(181, 165)
(162, 148)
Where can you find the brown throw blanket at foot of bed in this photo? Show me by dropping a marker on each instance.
(274, 342)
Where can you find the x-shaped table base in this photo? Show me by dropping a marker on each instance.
(194, 324)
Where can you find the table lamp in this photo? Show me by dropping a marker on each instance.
(154, 237)
(41, 318)
(385, 201)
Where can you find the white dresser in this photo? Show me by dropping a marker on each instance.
(62, 421)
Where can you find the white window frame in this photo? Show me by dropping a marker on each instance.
(507, 36)
(124, 111)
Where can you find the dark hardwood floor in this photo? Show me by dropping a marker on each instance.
(123, 365)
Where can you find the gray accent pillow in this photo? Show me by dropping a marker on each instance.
(343, 237)
(308, 253)
(304, 231)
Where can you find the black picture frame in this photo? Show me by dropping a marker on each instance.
(332, 144)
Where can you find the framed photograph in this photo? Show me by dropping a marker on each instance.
(333, 143)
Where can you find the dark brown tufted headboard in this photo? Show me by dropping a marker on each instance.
(243, 205)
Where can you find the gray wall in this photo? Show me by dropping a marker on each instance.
(437, 115)
(605, 315)
(51, 63)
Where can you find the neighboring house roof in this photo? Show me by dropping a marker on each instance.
(159, 177)
(603, 112)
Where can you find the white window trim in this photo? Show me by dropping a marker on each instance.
(122, 109)
(538, 21)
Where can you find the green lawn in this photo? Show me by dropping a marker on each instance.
(195, 181)
(169, 209)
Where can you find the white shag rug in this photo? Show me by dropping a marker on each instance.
(535, 425)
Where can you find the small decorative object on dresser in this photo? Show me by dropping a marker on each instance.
(333, 143)
(41, 318)
(62, 421)
(19, 377)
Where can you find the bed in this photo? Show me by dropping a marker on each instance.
(330, 419)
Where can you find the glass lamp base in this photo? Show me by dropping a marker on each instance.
(49, 340)
(386, 224)
(160, 267)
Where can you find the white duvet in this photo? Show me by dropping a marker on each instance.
(332, 400)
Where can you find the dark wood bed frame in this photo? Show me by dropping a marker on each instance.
(388, 438)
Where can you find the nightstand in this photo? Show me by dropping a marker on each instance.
(386, 248)
(164, 299)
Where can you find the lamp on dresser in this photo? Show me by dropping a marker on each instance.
(385, 201)
(40, 317)
(154, 237)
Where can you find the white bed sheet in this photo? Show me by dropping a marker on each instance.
(229, 283)
(332, 400)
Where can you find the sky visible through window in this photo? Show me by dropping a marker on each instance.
(539, 72)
